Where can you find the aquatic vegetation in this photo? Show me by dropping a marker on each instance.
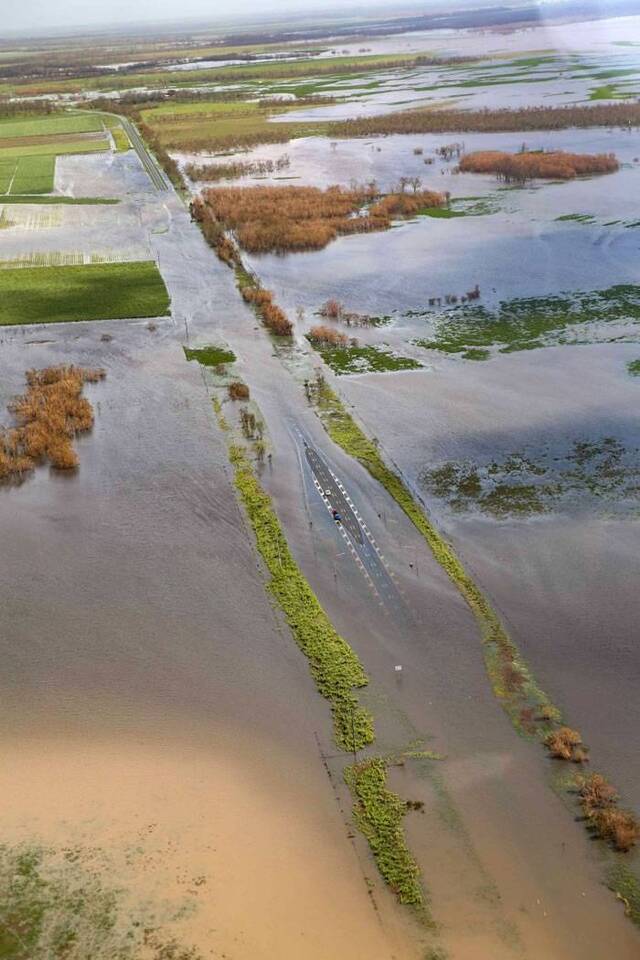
(210, 356)
(121, 139)
(270, 219)
(344, 357)
(236, 169)
(378, 813)
(620, 827)
(48, 417)
(531, 482)
(527, 165)
(335, 667)
(525, 323)
(61, 904)
(334, 310)
(633, 367)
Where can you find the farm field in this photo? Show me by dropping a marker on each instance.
(334, 611)
(88, 292)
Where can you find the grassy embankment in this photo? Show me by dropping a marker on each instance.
(102, 291)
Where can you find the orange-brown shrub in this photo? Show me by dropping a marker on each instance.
(324, 334)
(48, 416)
(563, 742)
(283, 219)
(406, 204)
(238, 390)
(269, 312)
(556, 165)
(596, 793)
(621, 827)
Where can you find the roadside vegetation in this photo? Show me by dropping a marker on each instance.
(120, 139)
(335, 667)
(379, 813)
(48, 417)
(528, 165)
(98, 291)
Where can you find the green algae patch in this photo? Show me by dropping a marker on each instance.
(625, 884)
(527, 323)
(211, 356)
(378, 813)
(511, 680)
(368, 359)
(633, 367)
(528, 482)
(60, 903)
(335, 667)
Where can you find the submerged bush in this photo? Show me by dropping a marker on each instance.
(48, 416)
(519, 167)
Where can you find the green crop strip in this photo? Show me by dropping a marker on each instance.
(40, 200)
(510, 677)
(335, 667)
(378, 813)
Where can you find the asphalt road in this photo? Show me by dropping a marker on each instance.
(362, 546)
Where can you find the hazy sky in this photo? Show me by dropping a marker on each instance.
(38, 15)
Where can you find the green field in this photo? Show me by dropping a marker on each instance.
(7, 168)
(34, 175)
(46, 126)
(105, 291)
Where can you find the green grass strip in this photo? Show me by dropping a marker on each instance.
(120, 139)
(511, 680)
(335, 667)
(378, 814)
(624, 883)
(37, 198)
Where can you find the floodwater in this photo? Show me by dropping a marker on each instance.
(155, 715)
(153, 703)
(518, 248)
